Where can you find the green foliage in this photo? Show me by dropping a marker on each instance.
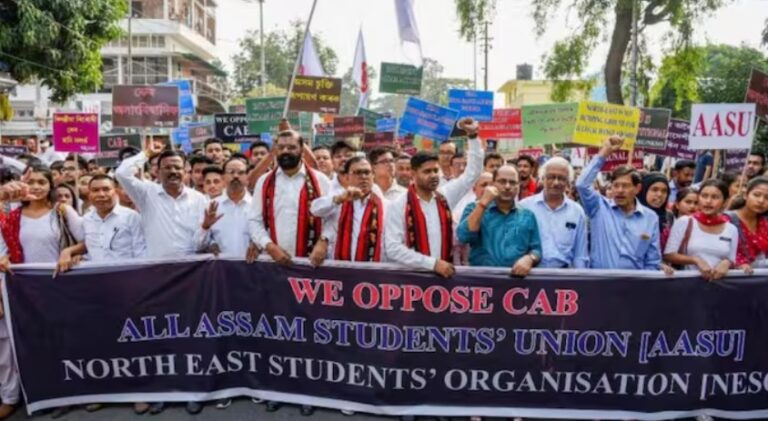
(58, 41)
(709, 74)
(472, 14)
(280, 50)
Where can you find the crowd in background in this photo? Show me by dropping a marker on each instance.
(427, 211)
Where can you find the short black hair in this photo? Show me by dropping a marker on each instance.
(320, 148)
(197, 151)
(199, 159)
(492, 155)
(127, 152)
(624, 170)
(352, 161)
(378, 152)
(211, 141)
(57, 165)
(170, 154)
(235, 157)
(762, 157)
(718, 184)
(421, 158)
(341, 144)
(213, 169)
(403, 156)
(31, 160)
(685, 163)
(527, 158)
(98, 177)
(258, 144)
(81, 162)
(729, 177)
(458, 154)
(92, 161)
(291, 133)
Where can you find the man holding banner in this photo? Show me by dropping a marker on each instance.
(419, 227)
(625, 234)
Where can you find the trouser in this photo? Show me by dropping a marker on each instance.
(9, 375)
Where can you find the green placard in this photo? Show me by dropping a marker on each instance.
(400, 79)
(264, 114)
(549, 124)
(324, 140)
(370, 119)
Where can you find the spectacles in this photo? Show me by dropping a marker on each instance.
(362, 173)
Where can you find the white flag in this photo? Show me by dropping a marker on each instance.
(310, 61)
(409, 32)
(360, 71)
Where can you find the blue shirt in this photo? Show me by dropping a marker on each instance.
(502, 239)
(563, 232)
(619, 241)
(705, 160)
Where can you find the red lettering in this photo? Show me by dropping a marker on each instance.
(541, 304)
(480, 300)
(730, 123)
(331, 291)
(373, 295)
(509, 301)
(567, 302)
(389, 292)
(460, 300)
(717, 128)
(701, 127)
(444, 296)
(303, 288)
(310, 288)
(411, 294)
(745, 123)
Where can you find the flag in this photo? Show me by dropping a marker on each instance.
(310, 61)
(360, 71)
(409, 33)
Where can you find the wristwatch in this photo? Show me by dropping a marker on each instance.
(534, 258)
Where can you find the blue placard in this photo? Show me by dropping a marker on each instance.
(386, 125)
(427, 119)
(186, 101)
(180, 136)
(266, 137)
(475, 104)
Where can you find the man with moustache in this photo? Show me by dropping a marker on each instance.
(526, 166)
(383, 162)
(624, 233)
(562, 223)
(498, 232)
(403, 170)
(358, 215)
(419, 226)
(171, 213)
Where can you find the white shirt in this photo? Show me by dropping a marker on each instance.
(230, 232)
(39, 237)
(454, 190)
(393, 192)
(117, 236)
(712, 248)
(171, 225)
(286, 208)
(324, 207)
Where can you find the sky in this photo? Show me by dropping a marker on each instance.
(513, 37)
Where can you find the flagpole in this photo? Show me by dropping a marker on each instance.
(298, 60)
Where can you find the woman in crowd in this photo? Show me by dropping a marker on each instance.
(65, 193)
(751, 221)
(655, 195)
(731, 179)
(705, 240)
(686, 203)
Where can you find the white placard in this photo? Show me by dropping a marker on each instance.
(722, 126)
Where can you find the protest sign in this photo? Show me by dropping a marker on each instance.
(475, 104)
(652, 132)
(180, 136)
(557, 344)
(534, 153)
(549, 123)
(347, 127)
(619, 158)
(186, 100)
(400, 79)
(722, 126)
(13, 150)
(264, 114)
(324, 135)
(231, 127)
(736, 160)
(316, 94)
(506, 124)
(597, 121)
(375, 140)
(386, 125)
(757, 93)
(110, 146)
(76, 132)
(145, 106)
(677, 140)
(199, 132)
(427, 119)
(578, 157)
(371, 117)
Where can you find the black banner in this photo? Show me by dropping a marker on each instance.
(231, 127)
(570, 344)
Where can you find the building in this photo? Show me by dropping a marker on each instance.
(529, 92)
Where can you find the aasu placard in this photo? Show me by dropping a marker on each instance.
(722, 126)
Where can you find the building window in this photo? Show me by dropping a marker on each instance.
(137, 8)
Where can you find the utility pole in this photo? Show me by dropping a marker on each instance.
(633, 76)
(486, 47)
(261, 42)
(130, 41)
(474, 58)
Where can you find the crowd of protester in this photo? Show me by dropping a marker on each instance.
(430, 211)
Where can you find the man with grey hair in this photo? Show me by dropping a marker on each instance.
(562, 222)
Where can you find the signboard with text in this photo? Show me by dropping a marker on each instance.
(757, 93)
(505, 124)
(652, 132)
(347, 127)
(427, 119)
(677, 140)
(403, 79)
(475, 104)
(316, 94)
(549, 124)
(722, 126)
(111, 145)
(231, 127)
(145, 106)
(76, 132)
(371, 117)
(597, 121)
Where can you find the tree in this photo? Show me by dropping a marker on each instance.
(280, 50)
(472, 15)
(569, 56)
(350, 93)
(434, 88)
(765, 34)
(58, 42)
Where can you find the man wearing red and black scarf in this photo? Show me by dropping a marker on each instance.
(419, 227)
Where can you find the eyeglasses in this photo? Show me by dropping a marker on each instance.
(362, 173)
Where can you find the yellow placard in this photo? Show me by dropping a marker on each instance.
(597, 121)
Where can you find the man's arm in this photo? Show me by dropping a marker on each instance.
(259, 234)
(394, 241)
(534, 244)
(580, 246)
(126, 175)
(455, 189)
(653, 254)
(584, 184)
(138, 241)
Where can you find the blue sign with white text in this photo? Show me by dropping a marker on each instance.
(180, 136)
(386, 125)
(475, 104)
(186, 101)
(427, 119)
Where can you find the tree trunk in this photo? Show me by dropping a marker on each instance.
(622, 33)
